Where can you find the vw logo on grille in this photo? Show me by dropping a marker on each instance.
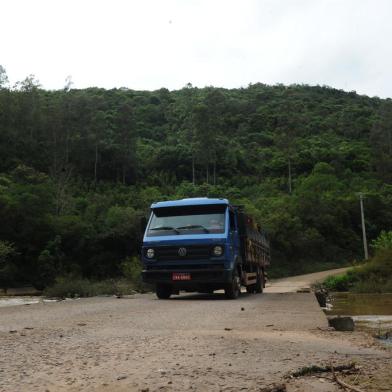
(182, 252)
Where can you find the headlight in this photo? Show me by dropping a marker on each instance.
(217, 251)
(150, 253)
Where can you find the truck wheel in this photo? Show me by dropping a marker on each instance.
(233, 290)
(260, 281)
(163, 292)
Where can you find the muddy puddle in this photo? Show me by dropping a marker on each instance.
(371, 312)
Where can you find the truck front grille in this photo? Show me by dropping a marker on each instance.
(193, 252)
(188, 267)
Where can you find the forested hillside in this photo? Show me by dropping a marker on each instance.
(78, 168)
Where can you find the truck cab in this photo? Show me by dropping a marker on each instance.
(201, 244)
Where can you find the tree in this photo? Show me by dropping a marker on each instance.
(7, 267)
(286, 143)
(208, 125)
(98, 128)
(95, 132)
(294, 156)
(187, 122)
(3, 77)
(49, 264)
(381, 141)
(125, 139)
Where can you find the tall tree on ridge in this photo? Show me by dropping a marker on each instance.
(125, 129)
(208, 125)
(381, 141)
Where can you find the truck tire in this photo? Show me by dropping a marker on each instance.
(251, 289)
(260, 281)
(233, 290)
(163, 292)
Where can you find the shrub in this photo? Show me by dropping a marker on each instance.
(7, 267)
(373, 277)
(383, 241)
(131, 268)
(338, 283)
(71, 287)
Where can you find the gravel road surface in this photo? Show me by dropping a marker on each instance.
(190, 342)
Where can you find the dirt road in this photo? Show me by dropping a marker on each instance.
(191, 342)
(293, 284)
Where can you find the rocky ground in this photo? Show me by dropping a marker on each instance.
(190, 342)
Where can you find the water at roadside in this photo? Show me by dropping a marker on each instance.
(20, 300)
(355, 304)
(371, 312)
(27, 295)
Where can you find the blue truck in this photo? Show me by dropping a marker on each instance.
(202, 245)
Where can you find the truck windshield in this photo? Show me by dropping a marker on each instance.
(187, 220)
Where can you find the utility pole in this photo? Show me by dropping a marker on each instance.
(365, 248)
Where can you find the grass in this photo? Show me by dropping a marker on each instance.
(375, 276)
(338, 283)
(71, 286)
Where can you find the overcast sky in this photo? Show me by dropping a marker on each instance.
(149, 44)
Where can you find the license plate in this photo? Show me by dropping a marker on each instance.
(181, 276)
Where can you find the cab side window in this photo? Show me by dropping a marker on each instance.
(232, 221)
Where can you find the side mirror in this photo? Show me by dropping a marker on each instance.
(143, 224)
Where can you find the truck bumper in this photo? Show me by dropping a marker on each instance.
(199, 277)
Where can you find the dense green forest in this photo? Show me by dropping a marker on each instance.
(78, 168)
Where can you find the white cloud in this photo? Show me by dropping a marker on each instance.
(167, 43)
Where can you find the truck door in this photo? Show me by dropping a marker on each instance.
(234, 239)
